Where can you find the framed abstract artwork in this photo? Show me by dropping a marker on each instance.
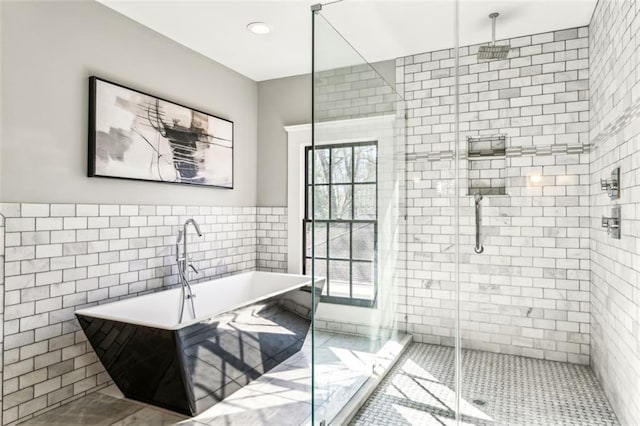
(134, 135)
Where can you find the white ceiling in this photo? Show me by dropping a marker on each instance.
(379, 29)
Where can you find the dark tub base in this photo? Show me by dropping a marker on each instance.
(190, 369)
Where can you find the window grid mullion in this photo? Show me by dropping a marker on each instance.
(330, 216)
(346, 183)
(342, 259)
(353, 189)
(330, 180)
(353, 216)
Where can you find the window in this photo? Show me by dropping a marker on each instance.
(345, 221)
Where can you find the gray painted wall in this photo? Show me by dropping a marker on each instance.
(281, 102)
(285, 102)
(49, 49)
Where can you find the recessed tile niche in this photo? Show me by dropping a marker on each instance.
(486, 155)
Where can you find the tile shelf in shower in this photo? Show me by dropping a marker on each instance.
(486, 157)
(488, 191)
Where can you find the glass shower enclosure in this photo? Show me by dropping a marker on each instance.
(449, 196)
(354, 220)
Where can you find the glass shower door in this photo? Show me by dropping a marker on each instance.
(524, 228)
(354, 219)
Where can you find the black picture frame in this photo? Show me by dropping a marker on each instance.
(182, 152)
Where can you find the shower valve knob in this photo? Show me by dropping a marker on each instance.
(612, 185)
(612, 224)
(608, 185)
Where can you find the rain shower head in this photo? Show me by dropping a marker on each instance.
(493, 51)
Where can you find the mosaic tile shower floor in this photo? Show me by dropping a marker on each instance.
(497, 390)
(418, 391)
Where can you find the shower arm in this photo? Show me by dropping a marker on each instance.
(493, 17)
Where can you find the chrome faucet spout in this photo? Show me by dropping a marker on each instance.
(195, 225)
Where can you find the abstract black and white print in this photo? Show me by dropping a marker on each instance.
(138, 136)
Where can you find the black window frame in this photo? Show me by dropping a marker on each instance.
(342, 300)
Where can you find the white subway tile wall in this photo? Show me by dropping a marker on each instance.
(528, 293)
(59, 258)
(615, 264)
(272, 239)
(352, 92)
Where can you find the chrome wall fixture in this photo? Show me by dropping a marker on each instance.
(493, 51)
(612, 224)
(612, 185)
(184, 263)
(478, 248)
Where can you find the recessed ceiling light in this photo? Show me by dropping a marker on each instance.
(259, 28)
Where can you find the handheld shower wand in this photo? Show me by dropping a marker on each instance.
(478, 248)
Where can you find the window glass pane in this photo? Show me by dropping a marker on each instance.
(365, 163)
(321, 165)
(339, 276)
(307, 240)
(321, 239)
(346, 190)
(321, 271)
(308, 166)
(363, 241)
(321, 201)
(341, 202)
(365, 201)
(339, 245)
(341, 165)
(363, 280)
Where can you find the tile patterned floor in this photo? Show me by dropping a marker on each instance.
(497, 390)
(105, 409)
(418, 391)
(280, 397)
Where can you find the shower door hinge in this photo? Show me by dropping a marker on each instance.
(316, 7)
(323, 423)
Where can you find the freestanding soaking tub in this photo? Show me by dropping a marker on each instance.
(245, 325)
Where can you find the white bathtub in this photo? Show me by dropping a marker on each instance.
(161, 309)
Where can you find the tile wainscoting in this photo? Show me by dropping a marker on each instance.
(271, 236)
(2, 302)
(60, 257)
